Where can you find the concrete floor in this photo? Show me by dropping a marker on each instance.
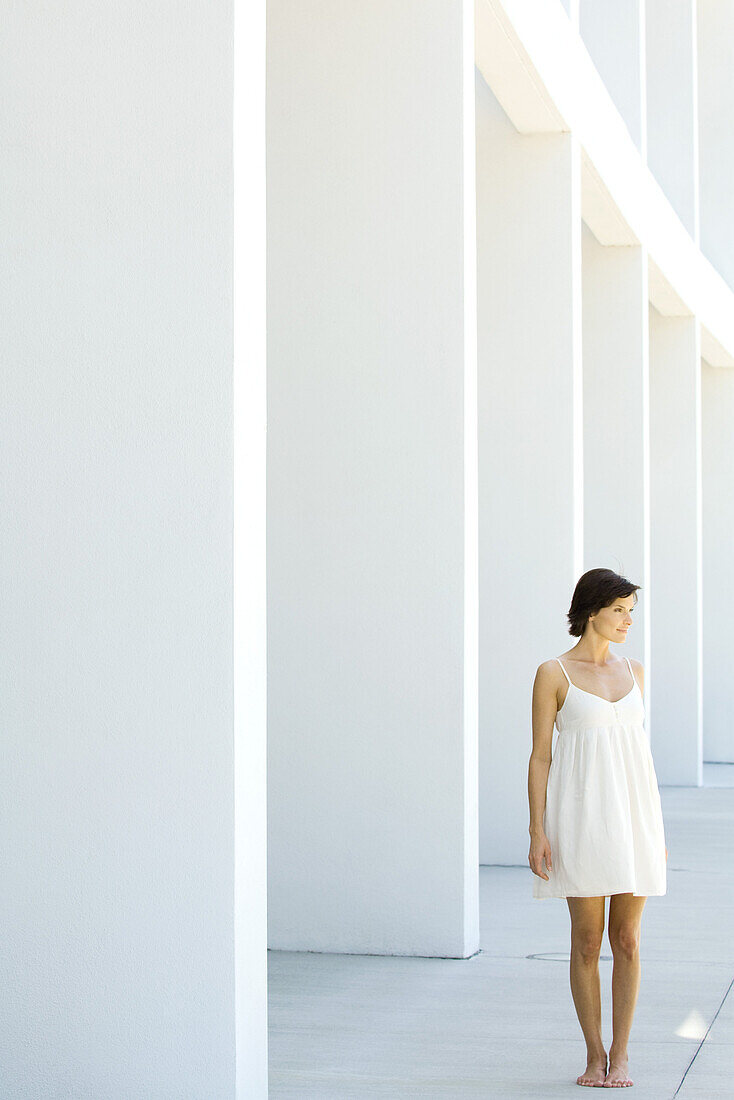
(503, 1024)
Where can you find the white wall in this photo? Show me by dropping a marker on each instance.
(676, 730)
(672, 104)
(718, 576)
(716, 148)
(116, 452)
(572, 11)
(249, 400)
(371, 541)
(614, 35)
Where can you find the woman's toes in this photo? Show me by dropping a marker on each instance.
(617, 1077)
(593, 1075)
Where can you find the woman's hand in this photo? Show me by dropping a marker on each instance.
(539, 850)
(666, 855)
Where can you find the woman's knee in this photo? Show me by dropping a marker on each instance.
(625, 940)
(586, 943)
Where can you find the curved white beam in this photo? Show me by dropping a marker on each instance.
(537, 66)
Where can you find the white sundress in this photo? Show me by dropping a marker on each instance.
(603, 816)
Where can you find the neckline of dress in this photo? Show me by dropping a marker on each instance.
(595, 696)
(612, 702)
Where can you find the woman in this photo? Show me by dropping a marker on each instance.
(595, 813)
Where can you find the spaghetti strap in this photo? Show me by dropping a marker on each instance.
(560, 662)
(629, 666)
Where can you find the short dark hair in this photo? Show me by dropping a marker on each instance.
(596, 589)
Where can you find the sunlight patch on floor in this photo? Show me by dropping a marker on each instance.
(693, 1027)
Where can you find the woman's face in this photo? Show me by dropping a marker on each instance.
(614, 621)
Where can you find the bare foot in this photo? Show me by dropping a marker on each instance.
(594, 1072)
(617, 1077)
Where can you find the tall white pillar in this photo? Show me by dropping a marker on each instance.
(716, 148)
(249, 421)
(117, 788)
(672, 104)
(715, 26)
(530, 431)
(616, 449)
(718, 575)
(676, 545)
(614, 35)
(372, 585)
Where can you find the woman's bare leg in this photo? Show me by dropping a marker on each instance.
(587, 931)
(625, 916)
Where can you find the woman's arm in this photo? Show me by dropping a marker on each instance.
(544, 708)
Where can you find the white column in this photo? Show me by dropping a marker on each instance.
(676, 544)
(117, 789)
(716, 147)
(616, 450)
(614, 35)
(249, 565)
(718, 575)
(672, 104)
(529, 304)
(372, 586)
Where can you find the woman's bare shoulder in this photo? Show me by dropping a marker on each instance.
(548, 671)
